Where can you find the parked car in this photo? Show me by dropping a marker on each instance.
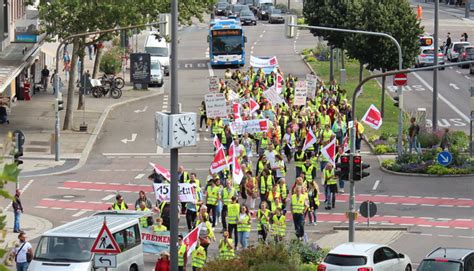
(465, 54)
(156, 72)
(235, 10)
(262, 12)
(453, 51)
(364, 257)
(426, 57)
(247, 18)
(221, 8)
(275, 16)
(448, 259)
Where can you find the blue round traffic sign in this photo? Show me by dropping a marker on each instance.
(445, 158)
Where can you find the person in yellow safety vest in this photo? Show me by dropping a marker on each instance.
(263, 143)
(226, 195)
(282, 188)
(279, 225)
(327, 134)
(183, 175)
(198, 257)
(265, 184)
(158, 227)
(182, 254)
(262, 164)
(226, 247)
(330, 183)
(212, 196)
(298, 208)
(206, 232)
(324, 119)
(314, 160)
(193, 177)
(309, 171)
(119, 204)
(263, 221)
(218, 128)
(300, 157)
(233, 210)
(244, 225)
(274, 199)
(144, 219)
(313, 197)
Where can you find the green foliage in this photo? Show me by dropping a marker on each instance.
(310, 58)
(381, 149)
(428, 139)
(459, 140)
(306, 52)
(111, 61)
(388, 164)
(307, 267)
(307, 253)
(300, 21)
(438, 170)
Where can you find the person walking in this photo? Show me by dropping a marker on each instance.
(278, 225)
(182, 254)
(330, 184)
(244, 225)
(23, 253)
(227, 194)
(413, 132)
(447, 43)
(263, 222)
(203, 116)
(143, 199)
(119, 204)
(193, 207)
(298, 208)
(45, 78)
(17, 211)
(233, 210)
(313, 197)
(198, 257)
(163, 263)
(226, 247)
(212, 196)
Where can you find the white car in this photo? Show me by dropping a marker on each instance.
(364, 257)
(156, 72)
(453, 50)
(426, 57)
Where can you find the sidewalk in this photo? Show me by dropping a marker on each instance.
(36, 119)
(453, 10)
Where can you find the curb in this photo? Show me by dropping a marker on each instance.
(422, 174)
(374, 228)
(93, 137)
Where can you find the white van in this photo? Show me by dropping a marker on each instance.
(156, 72)
(67, 247)
(158, 47)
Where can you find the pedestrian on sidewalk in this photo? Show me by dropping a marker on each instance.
(90, 49)
(44, 78)
(54, 81)
(18, 210)
(330, 186)
(23, 253)
(298, 208)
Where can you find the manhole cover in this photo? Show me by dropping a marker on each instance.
(66, 196)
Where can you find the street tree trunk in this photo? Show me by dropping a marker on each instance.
(98, 55)
(69, 117)
(81, 102)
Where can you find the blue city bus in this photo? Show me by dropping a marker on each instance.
(226, 42)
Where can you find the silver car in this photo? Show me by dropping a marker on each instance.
(426, 57)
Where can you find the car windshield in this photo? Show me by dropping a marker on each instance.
(157, 51)
(276, 11)
(246, 13)
(64, 249)
(434, 265)
(155, 65)
(458, 46)
(221, 5)
(345, 260)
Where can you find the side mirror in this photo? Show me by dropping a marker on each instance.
(401, 255)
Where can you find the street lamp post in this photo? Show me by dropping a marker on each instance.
(56, 83)
(353, 130)
(435, 71)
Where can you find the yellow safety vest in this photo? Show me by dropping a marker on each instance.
(116, 207)
(262, 219)
(299, 161)
(271, 199)
(212, 194)
(327, 135)
(266, 186)
(233, 211)
(160, 228)
(199, 257)
(329, 177)
(143, 220)
(283, 192)
(181, 253)
(225, 252)
(308, 170)
(297, 204)
(226, 196)
(245, 224)
(186, 178)
(282, 165)
(279, 225)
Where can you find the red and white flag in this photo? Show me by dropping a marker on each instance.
(254, 106)
(373, 117)
(237, 173)
(279, 83)
(162, 171)
(231, 151)
(219, 162)
(329, 151)
(236, 110)
(309, 140)
(345, 144)
(191, 239)
(217, 143)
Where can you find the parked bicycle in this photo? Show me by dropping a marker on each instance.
(112, 79)
(99, 91)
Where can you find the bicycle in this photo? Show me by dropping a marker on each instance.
(111, 78)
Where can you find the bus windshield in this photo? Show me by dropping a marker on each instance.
(64, 249)
(227, 42)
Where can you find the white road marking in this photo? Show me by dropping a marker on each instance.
(126, 140)
(454, 86)
(467, 77)
(458, 72)
(209, 67)
(376, 184)
(108, 197)
(159, 150)
(141, 110)
(441, 97)
(139, 176)
(79, 213)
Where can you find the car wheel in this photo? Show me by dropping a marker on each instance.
(408, 268)
(160, 84)
(133, 268)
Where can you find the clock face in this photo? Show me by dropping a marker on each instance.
(184, 131)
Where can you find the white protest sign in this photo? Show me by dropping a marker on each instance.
(249, 126)
(215, 105)
(187, 192)
(233, 96)
(263, 62)
(300, 93)
(232, 84)
(311, 84)
(213, 84)
(272, 95)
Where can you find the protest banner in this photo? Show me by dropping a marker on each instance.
(257, 62)
(214, 84)
(216, 105)
(232, 84)
(311, 85)
(272, 95)
(249, 126)
(155, 242)
(300, 93)
(373, 117)
(187, 192)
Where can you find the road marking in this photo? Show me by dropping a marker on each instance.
(159, 150)
(209, 68)
(467, 77)
(139, 176)
(441, 97)
(458, 72)
(141, 110)
(22, 190)
(79, 213)
(108, 197)
(126, 140)
(454, 86)
(376, 184)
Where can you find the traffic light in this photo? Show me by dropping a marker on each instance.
(358, 168)
(397, 101)
(19, 138)
(343, 168)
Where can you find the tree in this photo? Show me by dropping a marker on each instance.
(63, 18)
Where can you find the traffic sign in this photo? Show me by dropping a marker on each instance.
(400, 79)
(368, 209)
(445, 158)
(106, 261)
(105, 242)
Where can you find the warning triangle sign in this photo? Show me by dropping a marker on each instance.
(105, 242)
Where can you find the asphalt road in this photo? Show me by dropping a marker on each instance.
(438, 211)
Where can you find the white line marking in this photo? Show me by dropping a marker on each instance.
(139, 176)
(209, 68)
(79, 213)
(159, 150)
(461, 228)
(22, 190)
(442, 227)
(441, 97)
(376, 184)
(426, 234)
(108, 197)
(467, 77)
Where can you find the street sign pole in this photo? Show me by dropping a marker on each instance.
(435, 71)
(174, 219)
